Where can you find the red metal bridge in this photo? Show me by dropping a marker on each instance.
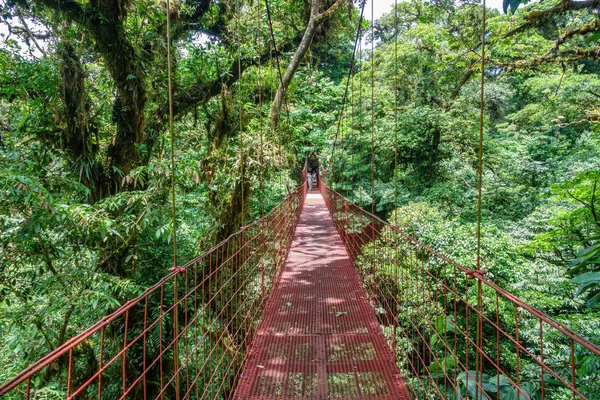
(319, 300)
(320, 338)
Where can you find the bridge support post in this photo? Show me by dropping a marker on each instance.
(175, 334)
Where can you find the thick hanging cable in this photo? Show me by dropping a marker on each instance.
(360, 126)
(260, 114)
(373, 117)
(479, 358)
(171, 135)
(284, 92)
(240, 109)
(396, 104)
(480, 155)
(352, 126)
(173, 207)
(260, 154)
(350, 72)
(341, 118)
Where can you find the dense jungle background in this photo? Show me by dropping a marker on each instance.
(85, 176)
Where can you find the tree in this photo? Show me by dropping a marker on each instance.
(315, 20)
(133, 56)
(83, 181)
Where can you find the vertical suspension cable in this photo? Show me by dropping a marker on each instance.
(344, 142)
(372, 119)
(171, 135)
(373, 271)
(342, 120)
(395, 213)
(356, 161)
(284, 91)
(240, 108)
(173, 207)
(480, 155)
(360, 125)
(479, 358)
(350, 74)
(260, 113)
(396, 104)
(353, 158)
(352, 134)
(260, 154)
(242, 239)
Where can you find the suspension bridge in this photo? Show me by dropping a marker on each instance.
(319, 299)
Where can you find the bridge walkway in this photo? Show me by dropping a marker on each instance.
(319, 338)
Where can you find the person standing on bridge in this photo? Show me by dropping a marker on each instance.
(310, 181)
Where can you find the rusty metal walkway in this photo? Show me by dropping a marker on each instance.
(319, 338)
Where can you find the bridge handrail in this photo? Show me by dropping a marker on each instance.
(73, 342)
(480, 276)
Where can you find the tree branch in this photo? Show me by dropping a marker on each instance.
(71, 8)
(186, 98)
(566, 56)
(590, 206)
(30, 34)
(314, 22)
(190, 22)
(536, 18)
(63, 329)
(585, 29)
(325, 15)
(456, 91)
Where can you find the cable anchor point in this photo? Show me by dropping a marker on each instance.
(476, 274)
(178, 270)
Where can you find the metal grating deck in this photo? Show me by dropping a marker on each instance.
(319, 338)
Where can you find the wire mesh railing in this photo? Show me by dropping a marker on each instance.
(186, 337)
(454, 333)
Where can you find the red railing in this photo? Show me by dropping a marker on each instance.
(186, 337)
(455, 333)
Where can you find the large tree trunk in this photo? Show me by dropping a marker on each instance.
(120, 60)
(315, 20)
(104, 20)
(78, 134)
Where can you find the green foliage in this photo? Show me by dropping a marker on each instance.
(589, 282)
(83, 228)
(80, 234)
(540, 172)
